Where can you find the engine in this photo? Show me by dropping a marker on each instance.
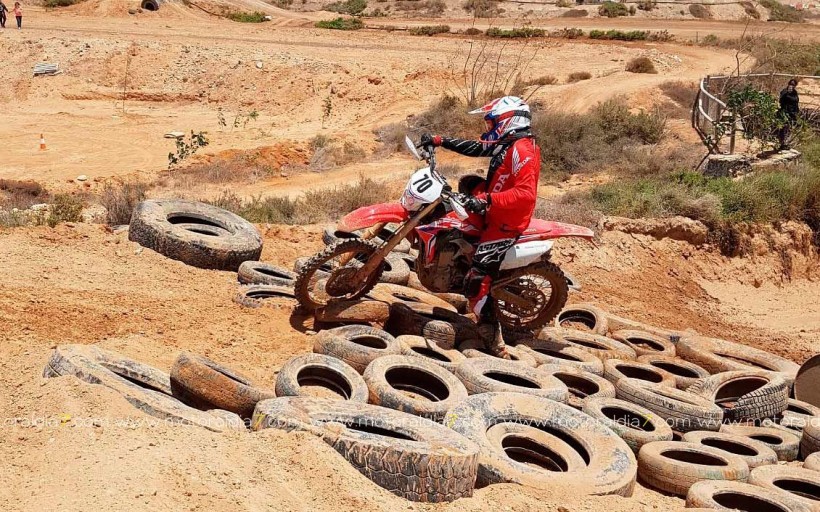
(445, 274)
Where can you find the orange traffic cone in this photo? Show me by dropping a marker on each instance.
(42, 143)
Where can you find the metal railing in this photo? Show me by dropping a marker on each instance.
(709, 109)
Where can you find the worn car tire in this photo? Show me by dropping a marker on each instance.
(484, 375)
(458, 301)
(257, 295)
(785, 444)
(633, 423)
(257, 272)
(673, 466)
(354, 311)
(417, 346)
(683, 411)
(395, 271)
(812, 462)
(413, 385)
(477, 348)
(718, 356)
(599, 346)
(194, 233)
(798, 414)
(414, 458)
(753, 452)
(356, 345)
(320, 370)
(685, 373)
(640, 373)
(391, 293)
(201, 382)
(810, 440)
(617, 323)
(554, 352)
(573, 283)
(645, 343)
(520, 458)
(581, 385)
(440, 325)
(583, 317)
(145, 387)
(802, 485)
(728, 495)
(745, 395)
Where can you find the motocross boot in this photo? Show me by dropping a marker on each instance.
(490, 332)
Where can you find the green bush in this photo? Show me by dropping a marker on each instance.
(568, 33)
(352, 7)
(780, 12)
(65, 208)
(611, 9)
(246, 17)
(341, 24)
(472, 31)
(515, 33)
(619, 35)
(430, 30)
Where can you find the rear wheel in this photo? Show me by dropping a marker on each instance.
(545, 290)
(331, 274)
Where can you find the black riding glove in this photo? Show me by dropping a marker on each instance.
(476, 205)
(429, 140)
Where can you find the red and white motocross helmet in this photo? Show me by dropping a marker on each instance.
(504, 115)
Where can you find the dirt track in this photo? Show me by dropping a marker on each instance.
(184, 66)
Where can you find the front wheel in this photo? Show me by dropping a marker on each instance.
(543, 289)
(331, 274)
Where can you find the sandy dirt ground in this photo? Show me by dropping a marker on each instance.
(74, 446)
(81, 447)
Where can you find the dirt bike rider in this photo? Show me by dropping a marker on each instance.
(506, 199)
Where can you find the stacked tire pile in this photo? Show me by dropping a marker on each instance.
(594, 402)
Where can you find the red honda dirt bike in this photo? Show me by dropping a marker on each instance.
(528, 292)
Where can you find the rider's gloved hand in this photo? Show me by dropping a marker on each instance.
(430, 140)
(476, 205)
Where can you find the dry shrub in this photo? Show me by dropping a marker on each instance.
(700, 11)
(428, 7)
(564, 3)
(647, 5)
(482, 8)
(751, 10)
(315, 206)
(21, 194)
(568, 33)
(680, 91)
(119, 199)
(570, 208)
(430, 30)
(641, 65)
(334, 153)
(575, 13)
(577, 76)
(447, 116)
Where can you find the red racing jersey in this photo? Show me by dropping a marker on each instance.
(511, 188)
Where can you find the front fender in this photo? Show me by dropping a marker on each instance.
(367, 216)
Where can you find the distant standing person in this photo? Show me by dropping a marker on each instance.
(18, 13)
(3, 11)
(790, 107)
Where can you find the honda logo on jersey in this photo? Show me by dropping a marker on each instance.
(517, 163)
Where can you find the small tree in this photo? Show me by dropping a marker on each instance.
(187, 147)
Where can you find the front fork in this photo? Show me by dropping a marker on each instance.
(381, 253)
